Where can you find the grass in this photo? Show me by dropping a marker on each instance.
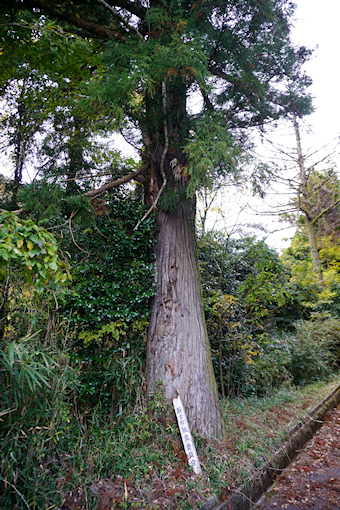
(138, 461)
(255, 429)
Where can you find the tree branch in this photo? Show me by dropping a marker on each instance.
(120, 17)
(135, 8)
(73, 213)
(206, 99)
(325, 211)
(93, 29)
(118, 182)
(219, 73)
(16, 490)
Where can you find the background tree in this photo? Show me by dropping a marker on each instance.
(312, 179)
(236, 55)
(46, 121)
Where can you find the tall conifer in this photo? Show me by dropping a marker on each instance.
(232, 56)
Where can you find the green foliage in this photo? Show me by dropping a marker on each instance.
(314, 280)
(43, 200)
(31, 249)
(107, 304)
(211, 154)
(244, 286)
(310, 295)
(246, 269)
(47, 119)
(113, 281)
(114, 329)
(27, 37)
(51, 459)
(111, 366)
(307, 355)
(35, 415)
(25, 369)
(270, 370)
(247, 297)
(136, 68)
(318, 346)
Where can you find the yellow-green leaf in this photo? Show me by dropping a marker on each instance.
(30, 245)
(20, 242)
(59, 276)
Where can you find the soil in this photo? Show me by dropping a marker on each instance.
(312, 481)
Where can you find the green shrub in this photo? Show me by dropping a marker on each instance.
(110, 362)
(311, 349)
(107, 304)
(269, 370)
(307, 355)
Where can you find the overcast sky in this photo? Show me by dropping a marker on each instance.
(316, 26)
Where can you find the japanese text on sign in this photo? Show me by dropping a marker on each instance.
(188, 442)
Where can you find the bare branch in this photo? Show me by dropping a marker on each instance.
(17, 212)
(71, 232)
(88, 176)
(323, 147)
(325, 211)
(278, 148)
(16, 490)
(120, 17)
(118, 182)
(133, 7)
(94, 29)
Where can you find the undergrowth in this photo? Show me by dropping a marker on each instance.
(137, 461)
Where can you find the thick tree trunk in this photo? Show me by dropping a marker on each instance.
(178, 353)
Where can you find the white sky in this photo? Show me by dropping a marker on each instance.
(317, 26)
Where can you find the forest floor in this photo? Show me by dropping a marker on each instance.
(161, 478)
(312, 481)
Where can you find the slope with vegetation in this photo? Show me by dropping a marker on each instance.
(106, 308)
(75, 417)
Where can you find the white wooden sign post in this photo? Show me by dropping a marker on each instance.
(188, 442)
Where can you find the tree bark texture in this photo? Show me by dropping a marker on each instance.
(178, 352)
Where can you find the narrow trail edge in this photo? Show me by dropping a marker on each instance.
(244, 498)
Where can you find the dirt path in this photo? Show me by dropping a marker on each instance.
(312, 481)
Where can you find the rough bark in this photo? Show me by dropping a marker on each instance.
(178, 352)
